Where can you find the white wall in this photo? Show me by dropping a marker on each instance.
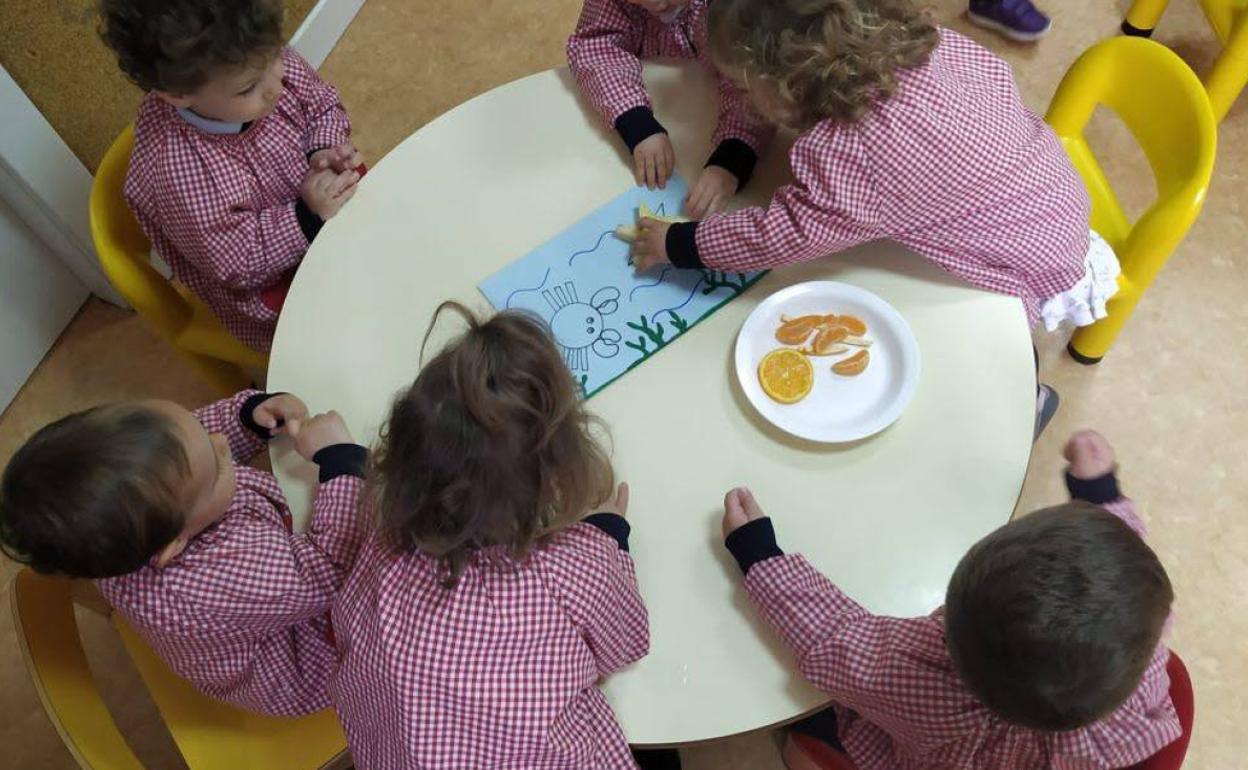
(38, 296)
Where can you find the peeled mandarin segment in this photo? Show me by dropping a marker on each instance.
(826, 338)
(786, 375)
(854, 365)
(835, 350)
(795, 331)
(855, 325)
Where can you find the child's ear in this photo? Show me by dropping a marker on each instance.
(176, 100)
(168, 552)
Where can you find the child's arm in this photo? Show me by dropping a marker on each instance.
(328, 124)
(594, 580)
(832, 204)
(602, 54)
(250, 418)
(207, 213)
(741, 134)
(1091, 477)
(264, 578)
(841, 648)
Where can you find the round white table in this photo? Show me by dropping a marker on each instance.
(886, 518)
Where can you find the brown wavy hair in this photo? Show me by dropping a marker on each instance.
(824, 59)
(489, 446)
(176, 45)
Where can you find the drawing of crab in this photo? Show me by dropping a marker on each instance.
(578, 326)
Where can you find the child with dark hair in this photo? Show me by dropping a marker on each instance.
(605, 53)
(1047, 653)
(908, 132)
(241, 151)
(496, 588)
(190, 545)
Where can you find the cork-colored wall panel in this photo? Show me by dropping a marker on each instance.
(52, 50)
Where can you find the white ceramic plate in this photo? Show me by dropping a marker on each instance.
(838, 408)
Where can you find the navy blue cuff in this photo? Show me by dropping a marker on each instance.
(682, 245)
(753, 542)
(1098, 491)
(611, 524)
(309, 222)
(737, 158)
(341, 460)
(247, 414)
(637, 125)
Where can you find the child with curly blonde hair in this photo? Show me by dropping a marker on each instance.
(908, 132)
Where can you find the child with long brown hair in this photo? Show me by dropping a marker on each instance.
(909, 132)
(496, 588)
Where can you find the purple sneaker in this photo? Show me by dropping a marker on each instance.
(1016, 19)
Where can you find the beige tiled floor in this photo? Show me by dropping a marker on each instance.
(1172, 394)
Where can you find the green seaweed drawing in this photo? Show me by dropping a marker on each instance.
(655, 335)
(584, 390)
(716, 279)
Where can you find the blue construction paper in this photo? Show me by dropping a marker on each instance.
(606, 317)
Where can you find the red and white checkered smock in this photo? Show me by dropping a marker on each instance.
(611, 39)
(220, 208)
(497, 673)
(242, 612)
(952, 165)
(899, 703)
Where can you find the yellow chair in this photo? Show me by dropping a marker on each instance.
(209, 734)
(1162, 102)
(1229, 19)
(176, 314)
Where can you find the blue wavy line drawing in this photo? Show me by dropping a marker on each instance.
(662, 275)
(589, 251)
(538, 287)
(692, 293)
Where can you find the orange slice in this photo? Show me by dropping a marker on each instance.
(854, 365)
(795, 331)
(825, 342)
(854, 324)
(786, 375)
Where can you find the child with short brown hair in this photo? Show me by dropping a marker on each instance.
(497, 589)
(1047, 653)
(189, 544)
(241, 151)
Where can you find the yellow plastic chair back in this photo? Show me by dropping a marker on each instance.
(1229, 20)
(177, 315)
(1166, 108)
(209, 734)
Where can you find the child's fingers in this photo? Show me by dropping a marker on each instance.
(750, 505)
(639, 169)
(660, 170)
(650, 172)
(293, 427)
(343, 182)
(621, 497)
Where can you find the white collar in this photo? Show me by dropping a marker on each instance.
(208, 125)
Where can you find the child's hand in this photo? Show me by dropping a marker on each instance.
(344, 157)
(654, 160)
(277, 413)
(617, 503)
(1090, 455)
(313, 435)
(650, 246)
(326, 191)
(740, 508)
(711, 192)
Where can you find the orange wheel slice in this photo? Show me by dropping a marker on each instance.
(854, 324)
(795, 331)
(854, 365)
(786, 375)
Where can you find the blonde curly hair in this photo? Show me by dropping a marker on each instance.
(824, 59)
